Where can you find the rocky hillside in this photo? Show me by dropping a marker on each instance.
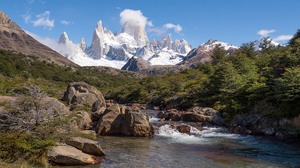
(204, 52)
(13, 38)
(198, 55)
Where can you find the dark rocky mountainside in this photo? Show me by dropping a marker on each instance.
(143, 68)
(135, 64)
(204, 53)
(13, 38)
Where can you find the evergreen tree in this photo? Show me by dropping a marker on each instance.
(219, 55)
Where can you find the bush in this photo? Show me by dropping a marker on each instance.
(21, 145)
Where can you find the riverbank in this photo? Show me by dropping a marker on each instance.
(212, 147)
(254, 124)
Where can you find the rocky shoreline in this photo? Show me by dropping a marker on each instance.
(253, 124)
(97, 116)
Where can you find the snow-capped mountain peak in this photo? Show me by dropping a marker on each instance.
(211, 44)
(82, 44)
(97, 45)
(114, 50)
(64, 39)
(99, 27)
(137, 31)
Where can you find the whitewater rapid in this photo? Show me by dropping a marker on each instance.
(196, 136)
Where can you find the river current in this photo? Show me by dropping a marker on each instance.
(212, 147)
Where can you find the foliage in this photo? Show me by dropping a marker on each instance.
(245, 81)
(232, 83)
(17, 71)
(16, 145)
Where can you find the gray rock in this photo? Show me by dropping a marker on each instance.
(86, 145)
(70, 156)
(86, 121)
(80, 93)
(54, 105)
(132, 123)
(203, 114)
(110, 122)
(135, 64)
(192, 117)
(136, 124)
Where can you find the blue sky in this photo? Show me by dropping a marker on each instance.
(232, 21)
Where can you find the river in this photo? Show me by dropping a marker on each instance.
(213, 147)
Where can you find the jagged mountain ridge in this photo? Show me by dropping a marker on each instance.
(204, 52)
(108, 49)
(201, 54)
(13, 38)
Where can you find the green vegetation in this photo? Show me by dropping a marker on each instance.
(34, 129)
(265, 81)
(30, 147)
(17, 71)
(234, 84)
(246, 81)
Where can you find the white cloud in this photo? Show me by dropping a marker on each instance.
(133, 18)
(66, 23)
(157, 30)
(177, 28)
(283, 38)
(149, 23)
(27, 18)
(265, 32)
(43, 20)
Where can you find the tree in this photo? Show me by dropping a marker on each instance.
(31, 105)
(288, 93)
(295, 40)
(36, 95)
(266, 44)
(248, 49)
(219, 55)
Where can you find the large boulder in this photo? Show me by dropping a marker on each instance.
(70, 156)
(136, 124)
(192, 117)
(170, 114)
(80, 93)
(86, 122)
(110, 122)
(54, 105)
(86, 145)
(203, 114)
(182, 128)
(207, 111)
(131, 123)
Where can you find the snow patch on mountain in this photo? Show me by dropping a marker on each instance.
(108, 49)
(165, 57)
(211, 44)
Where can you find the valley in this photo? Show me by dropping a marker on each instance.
(124, 101)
